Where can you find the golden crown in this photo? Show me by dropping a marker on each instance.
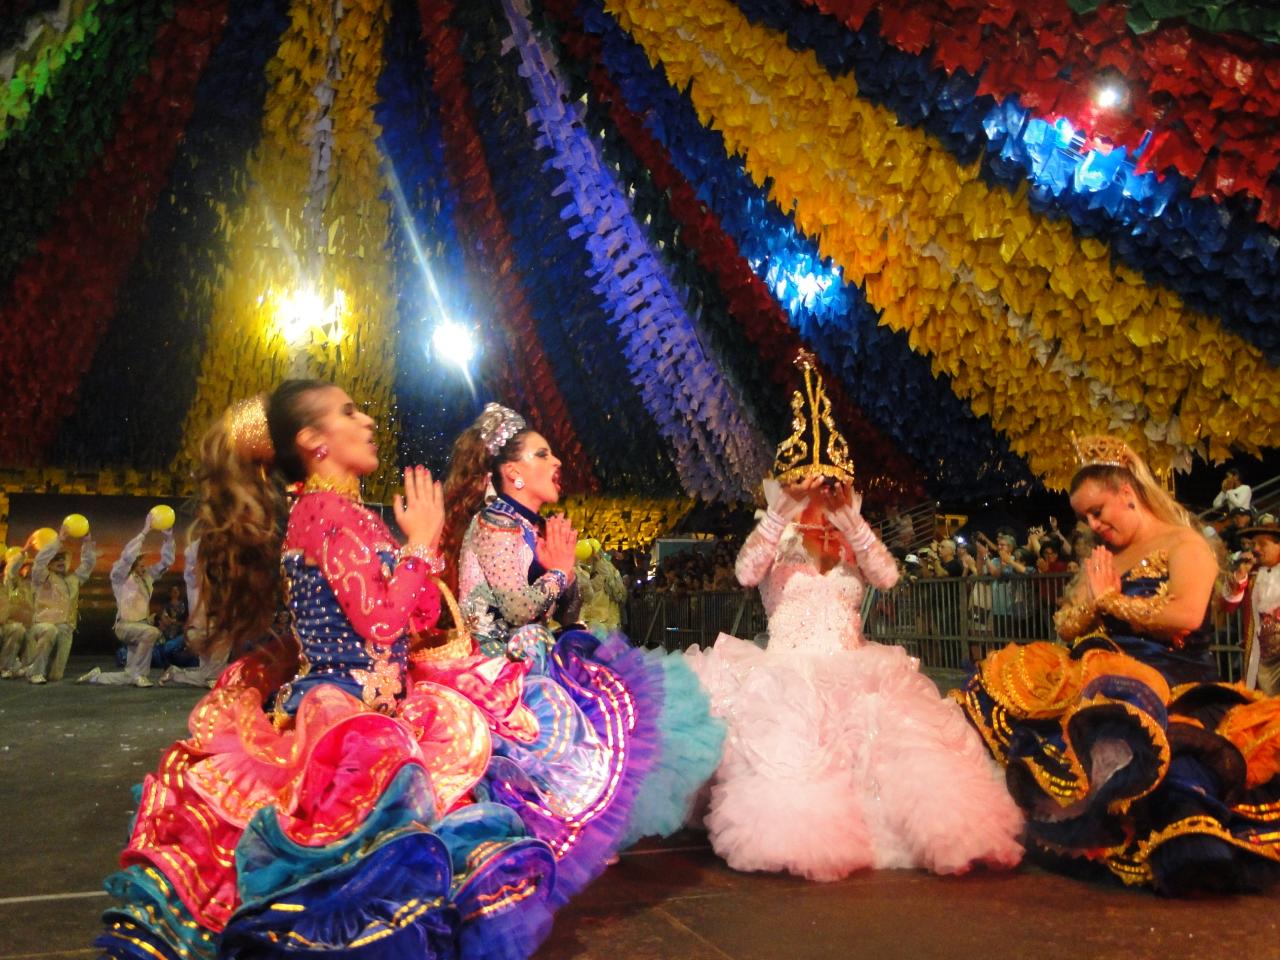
(1102, 451)
(815, 448)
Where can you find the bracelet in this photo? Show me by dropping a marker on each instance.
(1141, 612)
(772, 526)
(410, 553)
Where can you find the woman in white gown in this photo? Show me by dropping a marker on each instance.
(840, 755)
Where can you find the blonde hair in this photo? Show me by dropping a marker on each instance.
(1149, 491)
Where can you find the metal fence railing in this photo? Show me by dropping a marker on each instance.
(948, 622)
(675, 621)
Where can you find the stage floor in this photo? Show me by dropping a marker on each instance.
(69, 755)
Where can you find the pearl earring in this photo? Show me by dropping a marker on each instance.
(519, 483)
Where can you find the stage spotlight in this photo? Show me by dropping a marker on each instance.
(1110, 94)
(454, 342)
(303, 315)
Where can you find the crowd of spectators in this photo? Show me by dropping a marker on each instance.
(697, 570)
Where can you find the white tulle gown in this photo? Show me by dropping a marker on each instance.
(840, 754)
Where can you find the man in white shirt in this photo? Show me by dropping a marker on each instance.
(132, 583)
(15, 601)
(56, 607)
(1257, 585)
(1234, 493)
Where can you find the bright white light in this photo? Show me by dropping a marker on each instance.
(454, 342)
(304, 315)
(809, 286)
(1109, 95)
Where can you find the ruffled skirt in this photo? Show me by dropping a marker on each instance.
(841, 761)
(1119, 775)
(453, 828)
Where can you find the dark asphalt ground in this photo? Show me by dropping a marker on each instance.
(69, 755)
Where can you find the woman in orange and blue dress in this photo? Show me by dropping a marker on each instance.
(326, 802)
(1127, 756)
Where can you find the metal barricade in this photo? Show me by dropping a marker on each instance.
(949, 623)
(675, 621)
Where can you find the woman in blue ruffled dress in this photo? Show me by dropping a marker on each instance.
(1128, 757)
(625, 737)
(327, 801)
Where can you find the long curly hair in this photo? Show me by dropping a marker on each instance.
(471, 471)
(240, 520)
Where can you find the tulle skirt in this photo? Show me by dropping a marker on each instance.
(1122, 776)
(845, 760)
(453, 828)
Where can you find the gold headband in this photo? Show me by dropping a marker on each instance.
(815, 448)
(1103, 451)
(247, 424)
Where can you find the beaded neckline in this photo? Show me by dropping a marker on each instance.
(348, 487)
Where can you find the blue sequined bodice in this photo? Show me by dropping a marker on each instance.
(1189, 661)
(334, 652)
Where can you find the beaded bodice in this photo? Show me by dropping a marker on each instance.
(808, 609)
(500, 582)
(352, 601)
(332, 650)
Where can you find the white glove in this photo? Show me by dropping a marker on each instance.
(847, 519)
(782, 508)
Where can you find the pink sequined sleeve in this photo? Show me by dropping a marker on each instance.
(344, 540)
(875, 562)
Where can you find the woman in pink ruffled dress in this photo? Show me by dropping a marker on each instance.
(840, 755)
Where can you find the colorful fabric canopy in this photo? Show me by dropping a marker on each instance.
(993, 223)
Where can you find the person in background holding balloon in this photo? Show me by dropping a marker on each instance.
(17, 582)
(603, 591)
(13, 633)
(132, 583)
(57, 600)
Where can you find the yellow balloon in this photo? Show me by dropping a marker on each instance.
(76, 525)
(583, 551)
(43, 537)
(162, 517)
(595, 545)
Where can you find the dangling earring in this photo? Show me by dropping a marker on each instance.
(322, 451)
(519, 483)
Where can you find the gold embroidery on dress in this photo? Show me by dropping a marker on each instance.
(1140, 612)
(1154, 564)
(381, 684)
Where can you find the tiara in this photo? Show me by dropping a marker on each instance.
(247, 424)
(815, 448)
(497, 425)
(1102, 451)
